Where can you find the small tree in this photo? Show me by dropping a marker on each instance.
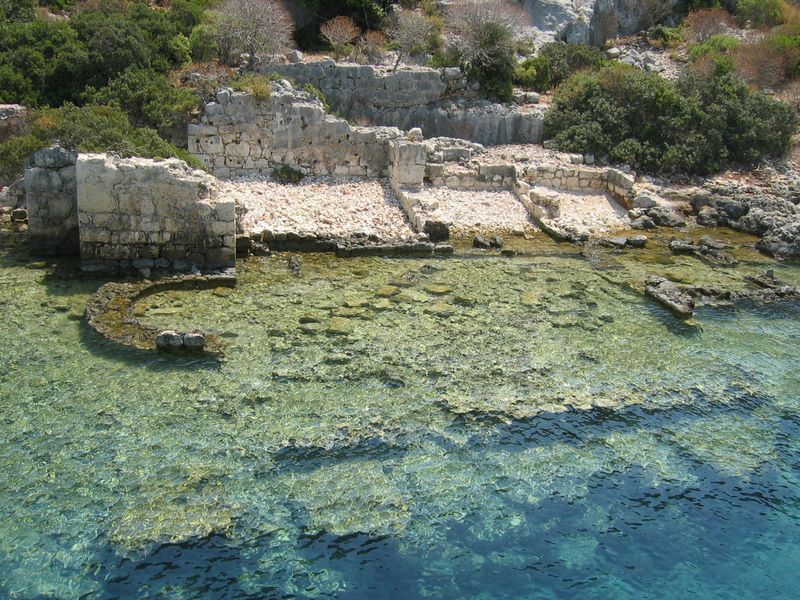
(339, 32)
(255, 27)
(410, 32)
(700, 25)
(485, 33)
(372, 45)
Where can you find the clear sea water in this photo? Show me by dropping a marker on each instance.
(494, 428)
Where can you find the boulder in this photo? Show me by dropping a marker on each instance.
(194, 341)
(54, 157)
(664, 216)
(169, 341)
(670, 295)
(481, 242)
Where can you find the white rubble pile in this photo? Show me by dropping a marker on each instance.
(472, 212)
(323, 206)
(590, 213)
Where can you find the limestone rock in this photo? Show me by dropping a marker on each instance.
(54, 157)
(169, 341)
(194, 341)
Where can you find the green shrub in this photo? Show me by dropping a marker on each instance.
(496, 81)
(203, 44)
(90, 128)
(715, 45)
(16, 10)
(14, 155)
(786, 40)
(760, 13)
(666, 36)
(446, 57)
(41, 63)
(698, 126)
(556, 61)
(147, 97)
(525, 74)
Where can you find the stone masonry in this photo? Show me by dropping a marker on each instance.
(240, 134)
(141, 214)
(51, 191)
(12, 120)
(440, 102)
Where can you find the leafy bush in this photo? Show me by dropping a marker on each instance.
(717, 44)
(786, 40)
(761, 12)
(89, 128)
(147, 97)
(661, 35)
(257, 85)
(698, 126)
(16, 10)
(14, 154)
(484, 34)
(203, 45)
(556, 61)
(525, 74)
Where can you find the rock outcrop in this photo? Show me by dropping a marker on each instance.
(593, 21)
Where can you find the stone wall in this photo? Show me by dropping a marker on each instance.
(52, 198)
(143, 214)
(576, 178)
(440, 102)
(240, 134)
(13, 119)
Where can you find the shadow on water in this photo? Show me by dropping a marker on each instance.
(220, 568)
(210, 567)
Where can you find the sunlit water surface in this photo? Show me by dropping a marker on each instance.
(494, 427)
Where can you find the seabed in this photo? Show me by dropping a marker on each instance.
(474, 426)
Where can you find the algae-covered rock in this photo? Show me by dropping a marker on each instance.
(340, 326)
(437, 289)
(387, 291)
(440, 309)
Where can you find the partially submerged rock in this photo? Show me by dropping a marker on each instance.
(671, 295)
(682, 299)
(705, 248)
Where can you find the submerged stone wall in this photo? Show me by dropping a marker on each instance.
(241, 134)
(52, 199)
(143, 214)
(440, 102)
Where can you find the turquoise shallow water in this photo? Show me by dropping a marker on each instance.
(481, 427)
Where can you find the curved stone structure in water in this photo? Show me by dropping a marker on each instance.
(110, 309)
